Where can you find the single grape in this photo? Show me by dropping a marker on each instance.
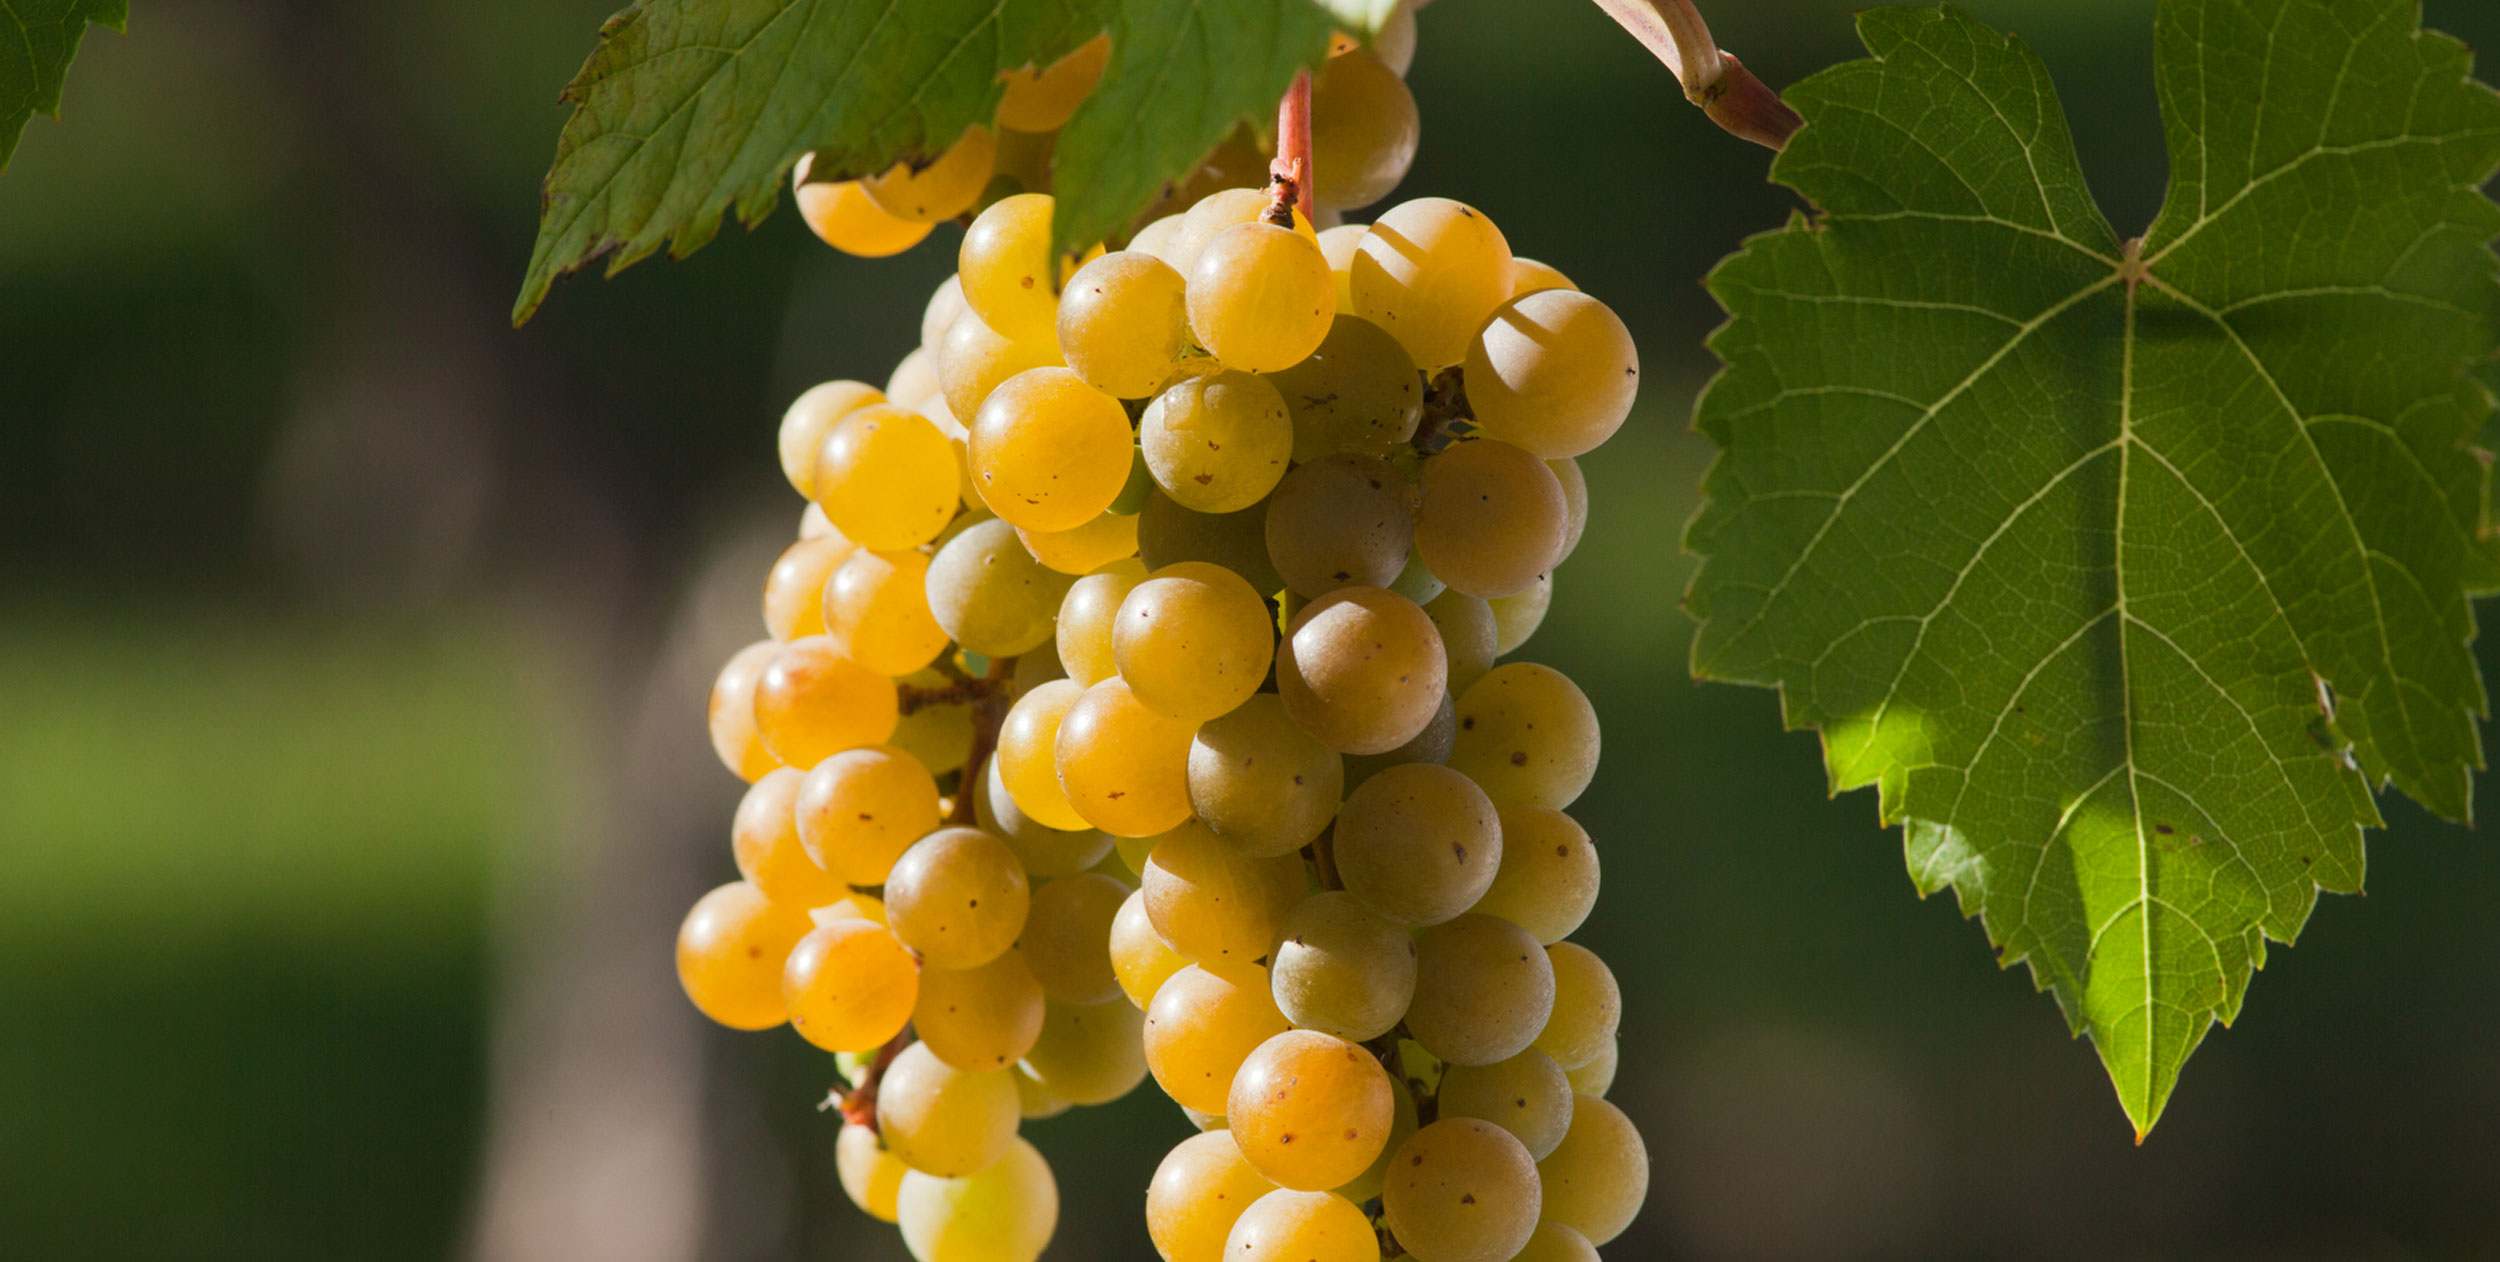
(1123, 323)
(1125, 767)
(1090, 1053)
(812, 522)
(1341, 968)
(1483, 990)
(876, 606)
(1067, 937)
(990, 594)
(1156, 237)
(764, 837)
(1034, 1099)
(1548, 881)
(1554, 1242)
(1199, 1191)
(1596, 1076)
(1027, 757)
(1588, 1005)
(794, 592)
(1490, 518)
(939, 189)
(1461, 1190)
(914, 385)
(1050, 452)
(1417, 582)
(871, 1175)
(1086, 615)
(1343, 520)
(732, 712)
(1418, 843)
(1288, 1226)
(1193, 641)
(729, 955)
(1358, 392)
(1259, 783)
(958, 897)
(849, 986)
(1106, 540)
(1213, 903)
(811, 703)
(1310, 1110)
(1430, 271)
(1367, 1185)
(1575, 489)
(981, 1018)
(1394, 45)
(1217, 443)
(1005, 1213)
(1364, 130)
(1043, 98)
(1045, 851)
(1260, 297)
(1006, 267)
(1516, 617)
(842, 216)
(1596, 1179)
(1338, 246)
(1528, 735)
(1361, 670)
(851, 906)
(1431, 745)
(1528, 276)
(1469, 635)
(804, 425)
(975, 358)
(1216, 213)
(1527, 1095)
(1168, 533)
(887, 477)
(942, 1120)
(1201, 1026)
(946, 302)
(1553, 372)
(1140, 958)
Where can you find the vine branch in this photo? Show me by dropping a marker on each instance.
(989, 709)
(1741, 104)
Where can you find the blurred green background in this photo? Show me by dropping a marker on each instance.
(353, 650)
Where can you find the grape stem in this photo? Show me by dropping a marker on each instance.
(1713, 79)
(964, 690)
(859, 1104)
(989, 709)
(1290, 173)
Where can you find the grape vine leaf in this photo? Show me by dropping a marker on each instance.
(37, 40)
(2126, 570)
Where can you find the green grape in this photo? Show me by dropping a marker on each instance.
(1575, 489)
(939, 189)
(942, 1120)
(1201, 1026)
(1260, 297)
(876, 606)
(803, 427)
(1361, 670)
(811, 703)
(1049, 452)
(1140, 958)
(887, 478)
(974, 359)
(1588, 1005)
(1417, 582)
(1528, 276)
(1418, 843)
(1515, 618)
(958, 897)
(1067, 937)
(1490, 519)
(1431, 745)
(1259, 783)
(1199, 1191)
(871, 1176)
(1341, 969)
(794, 592)
(990, 594)
(1215, 214)
(946, 303)
(1217, 443)
(1123, 323)
(1548, 880)
(1027, 759)
(1338, 246)
(1469, 634)
(1528, 735)
(1006, 267)
(1343, 520)
(981, 1018)
(731, 714)
(1596, 1076)
(1526, 1095)
(1192, 642)
(1043, 98)
(1005, 1213)
(1168, 533)
(1553, 372)
(842, 216)
(1086, 614)
(729, 955)
(1554, 1242)
(1106, 540)
(849, 985)
(1288, 1226)
(1364, 130)
(1034, 1099)
(1358, 392)
(1430, 271)
(1125, 767)
(1090, 1053)
(1461, 1190)
(1214, 904)
(1596, 1179)
(764, 837)
(1311, 1111)
(1483, 990)
(1045, 851)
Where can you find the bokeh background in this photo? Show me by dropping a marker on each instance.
(353, 649)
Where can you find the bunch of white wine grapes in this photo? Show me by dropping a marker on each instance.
(1133, 705)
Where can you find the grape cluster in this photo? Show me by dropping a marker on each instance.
(1134, 705)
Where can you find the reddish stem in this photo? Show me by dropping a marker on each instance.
(859, 1104)
(1292, 168)
(988, 711)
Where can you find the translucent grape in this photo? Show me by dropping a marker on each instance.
(1431, 745)
(842, 216)
(1042, 98)
(1199, 1191)
(940, 189)
(958, 897)
(1125, 767)
(1364, 130)
(1288, 1226)
(1006, 267)
(946, 303)
(764, 837)
(1192, 642)
(1361, 670)
(988, 593)
(804, 425)
(851, 906)
(1575, 489)
(1260, 297)
(811, 703)
(877, 607)
(1005, 1213)
(1342, 969)
(1156, 237)
(1067, 937)
(1358, 392)
(942, 1120)
(1090, 1053)
(1168, 533)
(729, 955)
(1217, 443)
(887, 478)
(871, 1175)
(1554, 1242)
(1034, 1099)
(1588, 1005)
(1490, 519)
(1027, 757)
(1086, 615)
(1596, 1076)
(1394, 45)
(1338, 245)
(1553, 372)
(1259, 783)
(1213, 903)
(1140, 958)
(1596, 1179)
(1483, 990)
(1528, 735)
(1418, 843)
(1528, 276)
(794, 592)
(849, 986)
(1417, 583)
(1526, 1095)
(1461, 1190)
(914, 386)
(1123, 322)
(1344, 520)
(1045, 851)
(982, 1018)
(1548, 882)
(1215, 214)
(975, 358)
(1050, 452)
(1367, 1185)
(732, 712)
(1430, 271)
(812, 522)
(1106, 540)
(1201, 1026)
(1310, 1110)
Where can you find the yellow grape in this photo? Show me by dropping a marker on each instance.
(1361, 669)
(958, 897)
(1125, 767)
(811, 703)
(1213, 903)
(887, 478)
(1140, 958)
(1218, 211)
(974, 358)
(1050, 452)
(1006, 267)
(1528, 735)
(1036, 1099)
(1156, 237)
(1067, 937)
(803, 427)
(1106, 540)
(1202, 1025)
(859, 810)
(939, 189)
(1549, 877)
(1469, 636)
(1595, 1077)
(1483, 990)
(1089, 1053)
(981, 1018)
(1041, 98)
(1588, 1005)
(794, 592)
(987, 592)
(1005, 1213)
(1367, 1185)
(946, 302)
(1490, 519)
(1430, 271)
(1086, 616)
(942, 1120)
(812, 522)
(1338, 245)
(1528, 276)
(1133, 852)
(1310, 1110)
(1418, 843)
(764, 837)
(729, 955)
(1217, 443)
(1554, 1242)
(1199, 1191)
(1395, 42)
(1288, 1226)
(1364, 130)
(851, 906)
(1553, 372)
(1168, 533)
(1596, 1179)
(1575, 489)
(1260, 297)
(1517, 616)
(732, 712)
(1341, 968)
(1259, 782)
(1028, 766)
(849, 986)
(1044, 851)
(1432, 745)
(877, 607)
(1123, 323)
(1527, 1095)
(1192, 642)
(914, 386)
(842, 216)
(1341, 520)
(1461, 1190)
(871, 1175)
(1358, 392)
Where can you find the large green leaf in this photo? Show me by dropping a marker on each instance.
(2126, 570)
(37, 39)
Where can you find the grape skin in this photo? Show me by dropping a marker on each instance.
(1469, 635)
(871, 1176)
(729, 955)
(731, 716)
(1462, 1190)
(1259, 783)
(1358, 392)
(1045, 851)
(1123, 323)
(1086, 615)
(1418, 843)
(843, 216)
(1198, 1192)
(1362, 670)
(849, 985)
(1549, 876)
(1587, 1006)
(1004, 1213)
(1125, 767)
(1528, 1095)
(1260, 297)
(1202, 1025)
(811, 703)
(1364, 131)
(980, 1018)
(876, 605)
(1067, 937)
(940, 189)
(1140, 957)
(1553, 372)
(764, 839)
(1214, 904)
(1043, 98)
(958, 897)
(1484, 989)
(1089, 1053)
(1217, 443)
(1343, 520)
(1311, 1111)
(1430, 271)
(1192, 642)
(1168, 533)
(1528, 735)
(1490, 518)
(1596, 1179)
(803, 427)
(1290, 1226)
